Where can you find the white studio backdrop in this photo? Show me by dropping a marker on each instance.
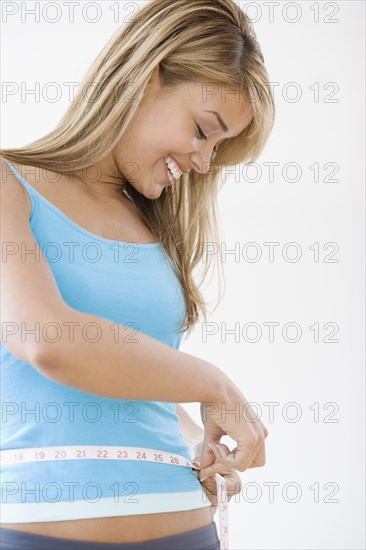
(290, 329)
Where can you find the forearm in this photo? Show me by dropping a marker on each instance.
(125, 366)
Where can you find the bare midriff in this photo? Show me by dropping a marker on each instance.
(121, 529)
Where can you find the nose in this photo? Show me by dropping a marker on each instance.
(202, 160)
(202, 167)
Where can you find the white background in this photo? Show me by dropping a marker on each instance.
(321, 454)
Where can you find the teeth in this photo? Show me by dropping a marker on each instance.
(173, 168)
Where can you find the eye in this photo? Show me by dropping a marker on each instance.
(201, 134)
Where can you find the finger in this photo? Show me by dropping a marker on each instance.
(207, 456)
(220, 465)
(244, 455)
(220, 450)
(260, 458)
(205, 472)
(197, 451)
(213, 509)
(223, 450)
(232, 479)
(233, 487)
(210, 487)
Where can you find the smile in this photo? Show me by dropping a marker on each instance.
(173, 169)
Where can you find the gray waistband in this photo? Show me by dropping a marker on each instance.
(205, 538)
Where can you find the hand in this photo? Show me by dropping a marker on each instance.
(234, 417)
(233, 481)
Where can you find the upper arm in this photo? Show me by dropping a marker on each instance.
(29, 293)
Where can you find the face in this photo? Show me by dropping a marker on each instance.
(177, 128)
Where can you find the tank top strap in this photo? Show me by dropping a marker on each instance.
(31, 192)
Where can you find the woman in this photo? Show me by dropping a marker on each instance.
(130, 162)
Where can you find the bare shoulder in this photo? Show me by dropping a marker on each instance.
(8, 176)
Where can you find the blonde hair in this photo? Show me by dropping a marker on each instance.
(205, 41)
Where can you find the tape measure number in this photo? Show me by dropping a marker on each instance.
(82, 452)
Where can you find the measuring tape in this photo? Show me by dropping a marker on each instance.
(77, 452)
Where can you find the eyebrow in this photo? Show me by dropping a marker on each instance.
(221, 122)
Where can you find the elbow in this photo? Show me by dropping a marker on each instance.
(41, 354)
(46, 354)
(32, 354)
(44, 358)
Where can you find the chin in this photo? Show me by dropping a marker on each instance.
(154, 191)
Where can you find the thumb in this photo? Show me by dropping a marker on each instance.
(207, 454)
(203, 455)
(196, 454)
(219, 452)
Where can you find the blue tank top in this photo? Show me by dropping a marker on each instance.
(134, 285)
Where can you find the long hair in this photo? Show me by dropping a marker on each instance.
(205, 41)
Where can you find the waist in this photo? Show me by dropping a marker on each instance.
(121, 529)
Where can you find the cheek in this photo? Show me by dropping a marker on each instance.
(177, 137)
(181, 144)
(195, 144)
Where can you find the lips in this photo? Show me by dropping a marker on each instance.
(169, 177)
(181, 168)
